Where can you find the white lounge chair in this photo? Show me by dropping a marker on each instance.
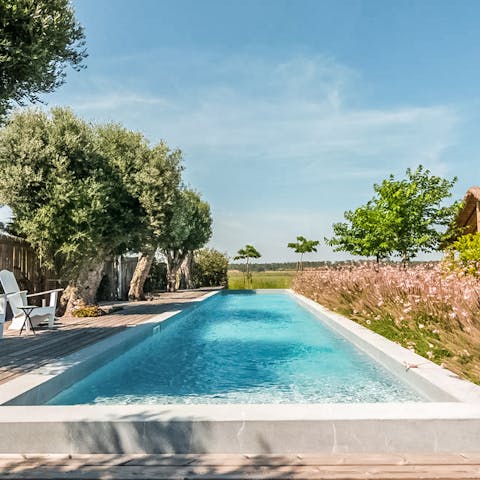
(19, 298)
(3, 312)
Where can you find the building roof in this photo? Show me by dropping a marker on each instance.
(467, 216)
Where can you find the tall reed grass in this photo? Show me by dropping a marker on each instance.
(426, 308)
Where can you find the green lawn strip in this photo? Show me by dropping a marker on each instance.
(260, 280)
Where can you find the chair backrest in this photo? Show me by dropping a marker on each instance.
(8, 281)
(18, 299)
(3, 307)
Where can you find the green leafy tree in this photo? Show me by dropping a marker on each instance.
(152, 176)
(68, 201)
(210, 268)
(365, 233)
(246, 253)
(188, 228)
(303, 246)
(38, 40)
(405, 217)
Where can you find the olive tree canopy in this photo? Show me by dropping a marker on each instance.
(68, 200)
(38, 40)
(189, 227)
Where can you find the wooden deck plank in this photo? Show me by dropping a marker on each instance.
(243, 472)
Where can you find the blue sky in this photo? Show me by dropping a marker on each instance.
(287, 111)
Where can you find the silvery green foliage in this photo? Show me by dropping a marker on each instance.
(38, 40)
(68, 200)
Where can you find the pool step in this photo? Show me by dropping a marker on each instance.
(442, 466)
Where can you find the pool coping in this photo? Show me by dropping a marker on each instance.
(29, 389)
(447, 425)
(436, 382)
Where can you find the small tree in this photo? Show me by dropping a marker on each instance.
(39, 38)
(365, 233)
(405, 217)
(414, 212)
(302, 246)
(246, 254)
(152, 177)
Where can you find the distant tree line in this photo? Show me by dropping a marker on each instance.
(277, 266)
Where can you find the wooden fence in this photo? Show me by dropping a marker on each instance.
(18, 256)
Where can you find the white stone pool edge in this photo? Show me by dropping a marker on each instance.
(449, 424)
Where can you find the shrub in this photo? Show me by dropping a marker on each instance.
(82, 311)
(157, 277)
(464, 254)
(210, 268)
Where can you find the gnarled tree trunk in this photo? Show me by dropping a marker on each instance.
(186, 280)
(142, 270)
(84, 290)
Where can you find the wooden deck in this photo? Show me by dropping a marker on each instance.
(21, 354)
(261, 467)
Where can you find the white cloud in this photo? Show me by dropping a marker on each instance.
(268, 136)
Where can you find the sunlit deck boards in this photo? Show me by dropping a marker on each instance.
(21, 354)
(325, 466)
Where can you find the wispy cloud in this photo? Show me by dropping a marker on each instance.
(268, 135)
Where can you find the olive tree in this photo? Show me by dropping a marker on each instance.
(152, 176)
(38, 40)
(68, 200)
(188, 228)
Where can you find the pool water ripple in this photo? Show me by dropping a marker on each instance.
(240, 348)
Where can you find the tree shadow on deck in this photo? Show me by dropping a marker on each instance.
(145, 446)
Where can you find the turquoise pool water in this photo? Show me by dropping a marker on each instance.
(241, 348)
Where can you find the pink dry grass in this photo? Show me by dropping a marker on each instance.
(423, 307)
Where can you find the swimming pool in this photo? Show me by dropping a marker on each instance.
(241, 348)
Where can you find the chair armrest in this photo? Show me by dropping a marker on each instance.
(14, 293)
(45, 293)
